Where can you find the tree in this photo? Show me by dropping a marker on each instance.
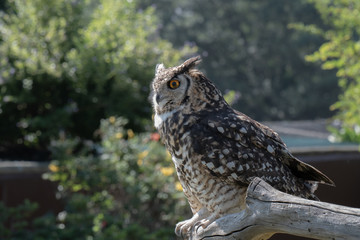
(248, 47)
(66, 64)
(341, 51)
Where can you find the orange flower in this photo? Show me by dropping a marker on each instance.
(112, 119)
(118, 135)
(130, 133)
(140, 162)
(143, 154)
(141, 157)
(167, 171)
(53, 168)
(178, 186)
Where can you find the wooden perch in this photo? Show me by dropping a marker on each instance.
(270, 211)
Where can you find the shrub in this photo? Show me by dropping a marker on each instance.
(124, 188)
(13, 220)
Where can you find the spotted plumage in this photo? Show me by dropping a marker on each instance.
(217, 150)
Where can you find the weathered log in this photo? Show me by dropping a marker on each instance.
(269, 211)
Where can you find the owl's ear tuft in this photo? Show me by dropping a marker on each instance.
(188, 64)
(159, 68)
(191, 63)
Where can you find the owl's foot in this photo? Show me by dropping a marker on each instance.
(205, 222)
(183, 228)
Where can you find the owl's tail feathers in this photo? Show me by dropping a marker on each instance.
(315, 176)
(307, 172)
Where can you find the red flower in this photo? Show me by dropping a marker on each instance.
(104, 224)
(155, 137)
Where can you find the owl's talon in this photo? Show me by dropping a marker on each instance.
(204, 223)
(185, 228)
(196, 226)
(182, 228)
(200, 224)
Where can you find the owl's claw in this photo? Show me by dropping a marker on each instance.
(183, 228)
(204, 223)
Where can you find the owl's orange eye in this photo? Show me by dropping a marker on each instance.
(174, 83)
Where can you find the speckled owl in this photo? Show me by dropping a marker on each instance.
(217, 150)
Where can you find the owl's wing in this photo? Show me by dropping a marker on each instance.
(236, 147)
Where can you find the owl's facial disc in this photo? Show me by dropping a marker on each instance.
(171, 93)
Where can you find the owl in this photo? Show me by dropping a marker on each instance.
(217, 151)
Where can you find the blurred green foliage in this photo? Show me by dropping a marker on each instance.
(13, 220)
(122, 188)
(66, 64)
(248, 47)
(341, 51)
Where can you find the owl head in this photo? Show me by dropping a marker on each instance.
(182, 87)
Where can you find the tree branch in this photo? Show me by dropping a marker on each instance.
(269, 211)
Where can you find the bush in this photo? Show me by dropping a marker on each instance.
(125, 188)
(13, 220)
(66, 64)
(122, 188)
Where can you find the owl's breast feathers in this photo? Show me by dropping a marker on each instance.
(175, 131)
(236, 148)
